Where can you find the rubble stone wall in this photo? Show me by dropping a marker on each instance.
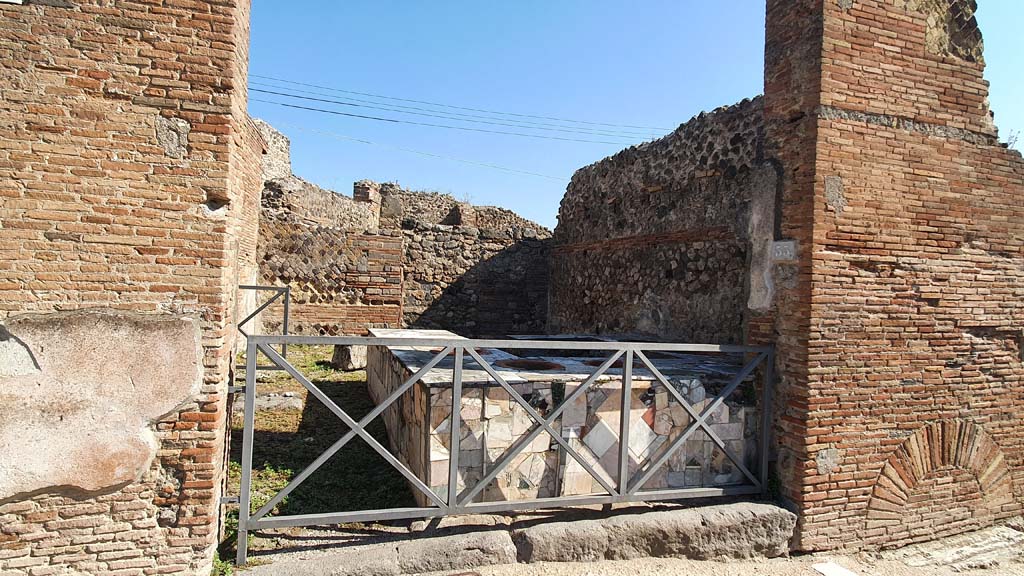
(426, 207)
(414, 209)
(126, 172)
(316, 205)
(906, 384)
(475, 282)
(668, 238)
(390, 257)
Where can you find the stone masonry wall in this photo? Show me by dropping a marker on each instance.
(402, 208)
(389, 257)
(906, 389)
(316, 205)
(127, 190)
(283, 191)
(475, 282)
(670, 238)
(427, 207)
(453, 277)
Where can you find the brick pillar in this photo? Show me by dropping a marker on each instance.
(368, 191)
(899, 415)
(129, 173)
(792, 80)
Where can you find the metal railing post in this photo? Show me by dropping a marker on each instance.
(456, 431)
(766, 418)
(284, 329)
(627, 396)
(249, 418)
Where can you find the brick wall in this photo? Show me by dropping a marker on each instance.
(902, 418)
(342, 281)
(670, 238)
(125, 186)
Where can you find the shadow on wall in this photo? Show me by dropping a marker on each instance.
(504, 293)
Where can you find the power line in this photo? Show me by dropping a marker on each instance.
(458, 107)
(430, 125)
(420, 152)
(442, 116)
(471, 118)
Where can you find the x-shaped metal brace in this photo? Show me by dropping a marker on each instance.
(356, 428)
(699, 421)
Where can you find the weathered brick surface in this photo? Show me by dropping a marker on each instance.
(910, 373)
(342, 281)
(100, 209)
(791, 83)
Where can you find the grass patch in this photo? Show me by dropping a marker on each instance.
(285, 441)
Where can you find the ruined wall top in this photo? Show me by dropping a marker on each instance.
(277, 159)
(311, 203)
(376, 205)
(625, 194)
(411, 210)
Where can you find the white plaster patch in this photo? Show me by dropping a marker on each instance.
(15, 358)
(84, 419)
(761, 228)
(172, 136)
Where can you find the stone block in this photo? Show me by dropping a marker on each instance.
(348, 358)
(442, 554)
(83, 415)
(742, 530)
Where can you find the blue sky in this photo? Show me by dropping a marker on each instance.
(649, 63)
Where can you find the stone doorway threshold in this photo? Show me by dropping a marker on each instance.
(736, 530)
(738, 539)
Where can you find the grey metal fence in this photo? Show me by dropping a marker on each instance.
(625, 487)
(283, 293)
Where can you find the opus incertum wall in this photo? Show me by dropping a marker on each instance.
(389, 257)
(129, 185)
(671, 238)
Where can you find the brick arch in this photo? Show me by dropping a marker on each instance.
(947, 477)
